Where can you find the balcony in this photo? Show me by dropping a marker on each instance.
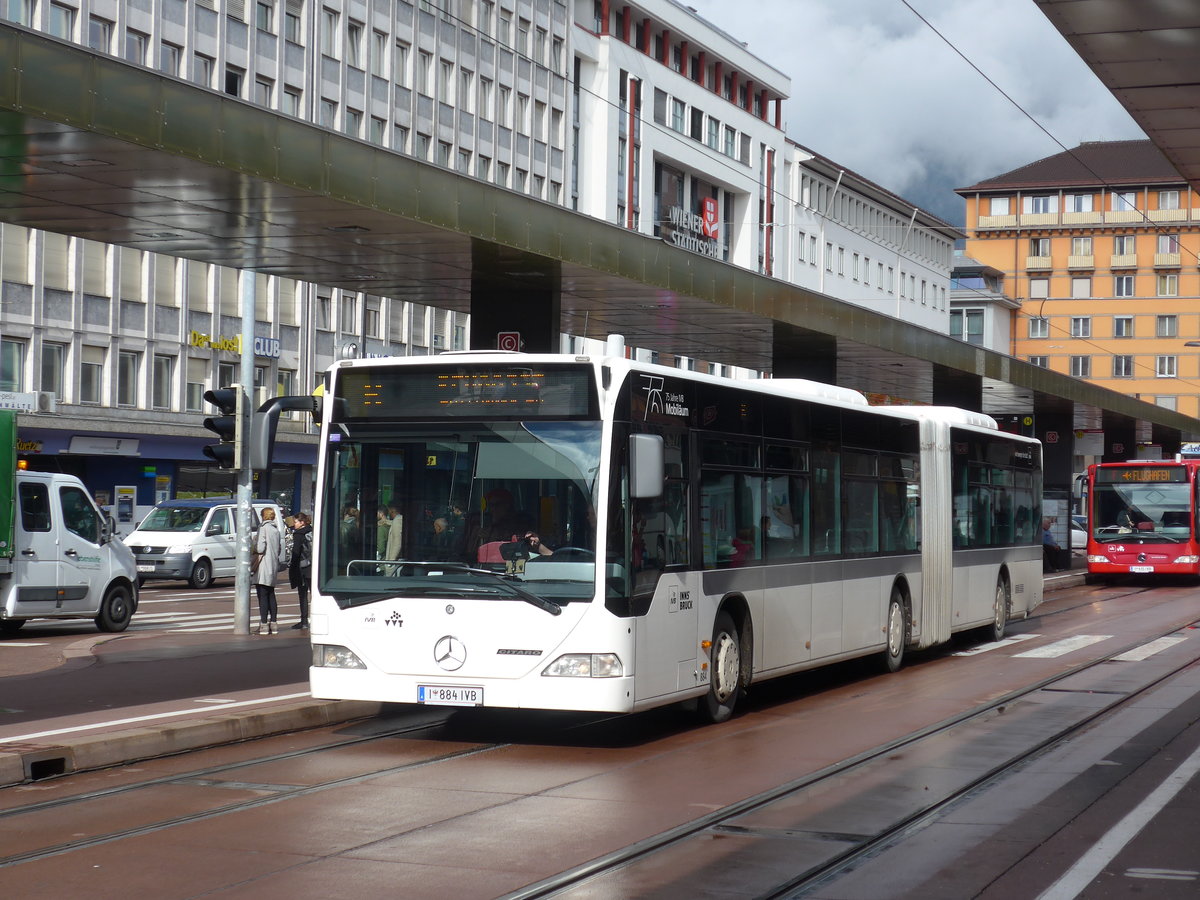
(1081, 262)
(1167, 215)
(1123, 215)
(1123, 261)
(996, 222)
(1038, 262)
(1166, 260)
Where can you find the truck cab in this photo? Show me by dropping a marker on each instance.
(61, 558)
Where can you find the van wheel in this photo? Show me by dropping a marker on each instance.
(725, 664)
(11, 626)
(202, 574)
(116, 610)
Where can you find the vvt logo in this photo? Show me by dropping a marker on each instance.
(394, 619)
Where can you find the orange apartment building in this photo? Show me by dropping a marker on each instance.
(1100, 246)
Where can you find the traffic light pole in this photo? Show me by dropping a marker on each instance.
(245, 478)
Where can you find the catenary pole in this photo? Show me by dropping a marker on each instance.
(245, 475)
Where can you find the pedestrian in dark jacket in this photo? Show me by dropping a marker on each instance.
(300, 568)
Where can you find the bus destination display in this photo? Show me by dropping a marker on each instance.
(395, 392)
(1141, 475)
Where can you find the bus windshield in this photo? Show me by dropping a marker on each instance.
(1141, 512)
(499, 510)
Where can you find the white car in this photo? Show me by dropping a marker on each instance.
(193, 540)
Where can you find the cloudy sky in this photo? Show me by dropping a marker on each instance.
(875, 89)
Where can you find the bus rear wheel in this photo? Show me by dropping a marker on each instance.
(995, 631)
(725, 665)
(897, 632)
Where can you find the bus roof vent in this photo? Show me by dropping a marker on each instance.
(615, 346)
(818, 390)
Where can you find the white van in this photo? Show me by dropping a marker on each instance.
(192, 540)
(60, 557)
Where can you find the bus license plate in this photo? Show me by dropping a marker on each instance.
(1141, 569)
(447, 695)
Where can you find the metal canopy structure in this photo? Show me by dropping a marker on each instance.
(1147, 52)
(98, 148)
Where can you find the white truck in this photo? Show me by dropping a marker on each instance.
(59, 556)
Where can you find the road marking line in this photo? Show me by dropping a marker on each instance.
(21, 644)
(996, 645)
(1092, 863)
(1137, 654)
(133, 720)
(1063, 647)
(1163, 874)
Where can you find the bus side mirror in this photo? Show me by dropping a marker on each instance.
(646, 470)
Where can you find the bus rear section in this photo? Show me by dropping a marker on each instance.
(1142, 519)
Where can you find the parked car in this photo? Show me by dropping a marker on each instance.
(193, 540)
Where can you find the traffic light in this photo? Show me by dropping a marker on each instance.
(227, 426)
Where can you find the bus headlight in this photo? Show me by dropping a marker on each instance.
(1097, 558)
(333, 656)
(585, 665)
(1187, 560)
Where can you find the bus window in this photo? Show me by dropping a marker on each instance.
(731, 519)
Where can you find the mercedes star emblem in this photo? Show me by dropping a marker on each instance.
(450, 653)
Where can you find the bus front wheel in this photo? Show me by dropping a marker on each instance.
(725, 664)
(995, 631)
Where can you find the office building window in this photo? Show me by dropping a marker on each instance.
(91, 374)
(329, 32)
(54, 366)
(1081, 366)
(1167, 285)
(1039, 327)
(1039, 246)
(1123, 366)
(12, 365)
(135, 46)
(128, 364)
(292, 30)
(1124, 245)
(61, 21)
(1047, 203)
(1166, 402)
(1164, 366)
(1168, 199)
(264, 17)
(1081, 326)
(999, 206)
(164, 367)
(1081, 246)
(1039, 288)
(1166, 326)
(1081, 288)
(1042, 362)
(1123, 286)
(100, 32)
(1122, 326)
(1167, 243)
(197, 372)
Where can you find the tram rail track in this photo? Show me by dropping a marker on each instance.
(811, 878)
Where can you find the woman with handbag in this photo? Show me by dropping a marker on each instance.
(265, 573)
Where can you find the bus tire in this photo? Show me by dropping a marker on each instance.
(116, 610)
(11, 626)
(995, 631)
(1089, 578)
(725, 665)
(897, 631)
(202, 574)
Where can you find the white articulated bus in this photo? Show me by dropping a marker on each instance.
(578, 533)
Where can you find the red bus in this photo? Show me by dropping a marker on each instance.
(1141, 519)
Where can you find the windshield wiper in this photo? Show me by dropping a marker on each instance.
(357, 599)
(540, 602)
